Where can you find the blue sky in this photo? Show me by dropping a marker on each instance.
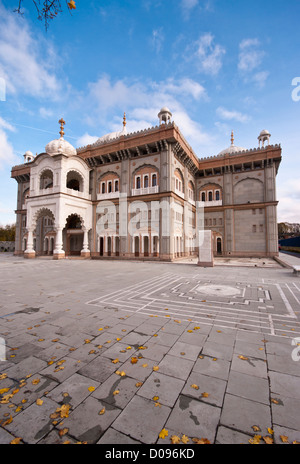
(218, 65)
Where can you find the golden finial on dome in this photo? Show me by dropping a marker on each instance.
(232, 138)
(62, 123)
(124, 120)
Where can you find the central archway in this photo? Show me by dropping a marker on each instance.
(73, 235)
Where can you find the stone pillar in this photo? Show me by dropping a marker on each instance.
(58, 252)
(29, 252)
(206, 256)
(85, 252)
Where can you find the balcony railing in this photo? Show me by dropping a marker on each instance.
(108, 196)
(145, 191)
(206, 204)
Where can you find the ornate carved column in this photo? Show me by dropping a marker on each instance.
(58, 252)
(29, 252)
(85, 252)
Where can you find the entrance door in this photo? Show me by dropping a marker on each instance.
(76, 244)
(146, 245)
(136, 246)
(219, 246)
(101, 246)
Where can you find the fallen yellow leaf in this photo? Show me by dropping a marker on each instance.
(102, 411)
(15, 441)
(39, 402)
(163, 434)
(175, 439)
(134, 360)
(184, 439)
(155, 368)
(91, 389)
(195, 386)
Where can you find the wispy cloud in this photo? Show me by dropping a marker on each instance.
(228, 115)
(206, 54)
(26, 63)
(157, 39)
(250, 58)
(142, 101)
(7, 154)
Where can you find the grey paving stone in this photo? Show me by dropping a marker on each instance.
(242, 414)
(125, 386)
(113, 437)
(208, 389)
(285, 411)
(86, 424)
(30, 365)
(176, 367)
(164, 338)
(73, 390)
(154, 351)
(250, 349)
(249, 365)
(120, 351)
(216, 350)
(5, 437)
(99, 369)
(248, 386)
(284, 364)
(194, 418)
(162, 387)
(285, 436)
(226, 436)
(34, 422)
(135, 339)
(139, 371)
(214, 367)
(132, 420)
(185, 351)
(284, 384)
(62, 369)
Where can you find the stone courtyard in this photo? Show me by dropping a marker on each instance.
(115, 352)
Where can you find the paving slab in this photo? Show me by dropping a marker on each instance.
(194, 418)
(236, 343)
(132, 419)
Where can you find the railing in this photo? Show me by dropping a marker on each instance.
(145, 191)
(206, 204)
(108, 196)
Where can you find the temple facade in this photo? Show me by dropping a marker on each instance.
(146, 195)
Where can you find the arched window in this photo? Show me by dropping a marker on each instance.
(217, 195)
(74, 181)
(203, 196)
(146, 182)
(210, 196)
(46, 179)
(138, 182)
(154, 180)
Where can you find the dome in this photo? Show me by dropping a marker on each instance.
(264, 132)
(60, 147)
(232, 149)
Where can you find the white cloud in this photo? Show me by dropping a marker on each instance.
(26, 62)
(142, 103)
(7, 154)
(86, 139)
(208, 55)
(288, 194)
(228, 115)
(250, 58)
(157, 39)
